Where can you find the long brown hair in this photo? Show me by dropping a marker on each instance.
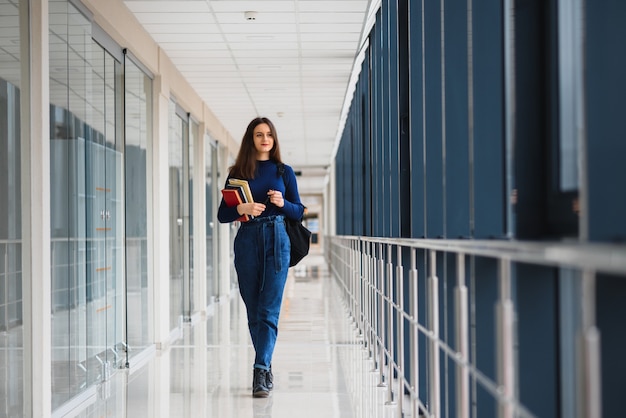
(245, 164)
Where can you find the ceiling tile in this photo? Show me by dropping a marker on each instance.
(292, 64)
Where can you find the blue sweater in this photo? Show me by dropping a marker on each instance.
(267, 178)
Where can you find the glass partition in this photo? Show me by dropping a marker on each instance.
(189, 153)
(86, 199)
(211, 188)
(138, 108)
(13, 74)
(67, 220)
(177, 133)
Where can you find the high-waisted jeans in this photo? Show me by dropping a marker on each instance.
(262, 261)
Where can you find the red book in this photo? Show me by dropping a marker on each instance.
(233, 198)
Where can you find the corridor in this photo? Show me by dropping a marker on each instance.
(319, 365)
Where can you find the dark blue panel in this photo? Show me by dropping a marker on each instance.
(611, 309)
(394, 121)
(606, 144)
(367, 143)
(537, 334)
(486, 296)
(346, 180)
(350, 170)
(384, 120)
(488, 170)
(403, 114)
(377, 120)
(357, 173)
(534, 61)
(416, 120)
(337, 186)
(374, 152)
(422, 318)
(434, 154)
(457, 149)
(447, 321)
(341, 187)
(349, 179)
(422, 356)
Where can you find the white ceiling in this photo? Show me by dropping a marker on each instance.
(292, 64)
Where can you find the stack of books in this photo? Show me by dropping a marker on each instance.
(236, 192)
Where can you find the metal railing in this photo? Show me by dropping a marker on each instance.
(373, 273)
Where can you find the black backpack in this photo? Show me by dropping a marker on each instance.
(299, 235)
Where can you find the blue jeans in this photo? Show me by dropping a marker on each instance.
(262, 261)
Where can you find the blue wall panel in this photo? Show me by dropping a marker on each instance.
(367, 144)
(611, 311)
(416, 120)
(433, 120)
(357, 174)
(485, 289)
(447, 282)
(453, 153)
(534, 100)
(457, 177)
(394, 198)
(377, 134)
(488, 168)
(606, 92)
(403, 117)
(537, 327)
(383, 119)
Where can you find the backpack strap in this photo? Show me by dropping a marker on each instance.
(281, 170)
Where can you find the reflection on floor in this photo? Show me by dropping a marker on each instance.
(320, 368)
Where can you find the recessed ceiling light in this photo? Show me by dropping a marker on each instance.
(260, 37)
(250, 15)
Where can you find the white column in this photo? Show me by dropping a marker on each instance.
(199, 222)
(36, 210)
(160, 213)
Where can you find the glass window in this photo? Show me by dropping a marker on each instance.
(87, 216)
(193, 137)
(138, 96)
(211, 213)
(13, 71)
(177, 128)
(70, 248)
(570, 101)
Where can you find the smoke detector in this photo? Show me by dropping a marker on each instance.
(250, 15)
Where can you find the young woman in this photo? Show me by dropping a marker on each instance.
(262, 245)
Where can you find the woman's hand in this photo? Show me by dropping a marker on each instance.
(253, 209)
(276, 197)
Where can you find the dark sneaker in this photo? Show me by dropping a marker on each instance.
(259, 384)
(269, 379)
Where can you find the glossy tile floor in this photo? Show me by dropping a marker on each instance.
(320, 368)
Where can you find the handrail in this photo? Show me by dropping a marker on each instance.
(600, 257)
(373, 280)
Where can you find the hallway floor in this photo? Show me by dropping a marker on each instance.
(320, 368)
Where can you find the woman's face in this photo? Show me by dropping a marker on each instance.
(263, 141)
